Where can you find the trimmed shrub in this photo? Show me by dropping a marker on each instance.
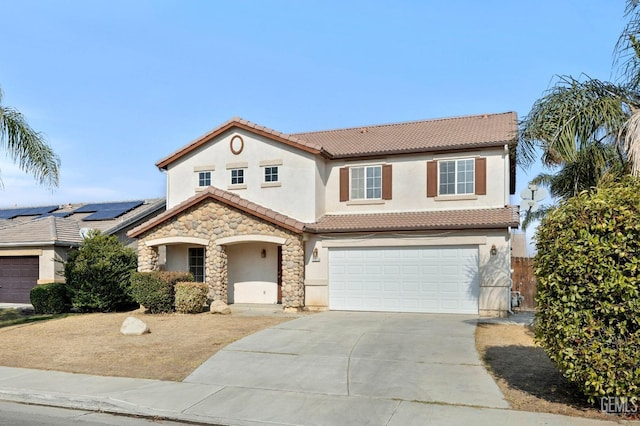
(50, 298)
(98, 274)
(155, 290)
(588, 272)
(191, 297)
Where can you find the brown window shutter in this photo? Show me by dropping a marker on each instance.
(481, 176)
(432, 178)
(386, 182)
(344, 184)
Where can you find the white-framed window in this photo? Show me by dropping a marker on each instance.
(196, 263)
(271, 174)
(365, 183)
(456, 177)
(204, 178)
(237, 176)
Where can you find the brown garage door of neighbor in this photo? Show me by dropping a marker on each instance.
(18, 275)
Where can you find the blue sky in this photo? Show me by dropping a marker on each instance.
(117, 85)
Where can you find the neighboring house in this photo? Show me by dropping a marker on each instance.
(34, 241)
(410, 217)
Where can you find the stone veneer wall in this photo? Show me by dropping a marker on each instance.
(212, 220)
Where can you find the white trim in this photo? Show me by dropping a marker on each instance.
(32, 252)
(454, 197)
(400, 242)
(266, 163)
(242, 165)
(457, 156)
(177, 240)
(238, 186)
(270, 184)
(365, 202)
(253, 238)
(204, 168)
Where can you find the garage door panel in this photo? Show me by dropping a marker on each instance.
(18, 275)
(404, 279)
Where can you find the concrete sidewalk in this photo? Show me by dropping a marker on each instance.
(333, 368)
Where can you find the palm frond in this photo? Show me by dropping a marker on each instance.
(27, 148)
(573, 114)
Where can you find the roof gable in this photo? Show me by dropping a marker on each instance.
(229, 199)
(239, 123)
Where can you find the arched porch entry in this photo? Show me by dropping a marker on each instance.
(181, 254)
(254, 268)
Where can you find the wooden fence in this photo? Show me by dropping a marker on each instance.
(524, 281)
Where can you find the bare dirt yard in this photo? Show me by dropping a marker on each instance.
(92, 343)
(526, 376)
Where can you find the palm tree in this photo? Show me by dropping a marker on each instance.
(583, 113)
(27, 147)
(592, 164)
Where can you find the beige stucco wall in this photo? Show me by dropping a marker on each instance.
(294, 197)
(212, 221)
(410, 185)
(253, 278)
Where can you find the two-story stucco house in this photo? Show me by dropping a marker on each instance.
(404, 217)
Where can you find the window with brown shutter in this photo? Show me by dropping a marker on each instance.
(386, 182)
(457, 177)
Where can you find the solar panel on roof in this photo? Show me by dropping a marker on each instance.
(63, 214)
(91, 208)
(107, 211)
(28, 211)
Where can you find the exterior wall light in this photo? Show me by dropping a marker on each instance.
(263, 253)
(314, 255)
(494, 250)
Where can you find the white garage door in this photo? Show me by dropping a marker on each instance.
(404, 279)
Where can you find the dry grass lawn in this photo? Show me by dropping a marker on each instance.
(92, 343)
(526, 376)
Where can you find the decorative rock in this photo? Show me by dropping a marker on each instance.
(219, 307)
(132, 326)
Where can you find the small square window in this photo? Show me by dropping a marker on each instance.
(271, 174)
(237, 176)
(204, 178)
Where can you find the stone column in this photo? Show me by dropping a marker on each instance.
(293, 274)
(147, 258)
(216, 270)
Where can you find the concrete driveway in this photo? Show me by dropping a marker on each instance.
(348, 368)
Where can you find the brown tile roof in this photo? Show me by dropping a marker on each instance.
(240, 123)
(229, 199)
(415, 221)
(467, 132)
(475, 131)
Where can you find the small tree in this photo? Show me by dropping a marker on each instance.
(588, 271)
(98, 274)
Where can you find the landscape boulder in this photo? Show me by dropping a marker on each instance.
(132, 326)
(219, 307)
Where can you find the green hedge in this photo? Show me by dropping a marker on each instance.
(98, 273)
(588, 272)
(50, 298)
(191, 297)
(155, 290)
